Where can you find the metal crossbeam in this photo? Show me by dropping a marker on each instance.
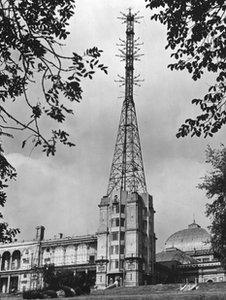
(127, 170)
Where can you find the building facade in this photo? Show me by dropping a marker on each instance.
(124, 248)
(188, 257)
(125, 240)
(21, 263)
(17, 261)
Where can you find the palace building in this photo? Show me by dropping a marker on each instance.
(188, 257)
(21, 263)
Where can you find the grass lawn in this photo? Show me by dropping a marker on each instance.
(194, 295)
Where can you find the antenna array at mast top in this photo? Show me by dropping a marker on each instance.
(130, 16)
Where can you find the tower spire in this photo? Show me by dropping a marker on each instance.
(127, 170)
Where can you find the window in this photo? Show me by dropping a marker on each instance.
(122, 235)
(113, 222)
(114, 249)
(100, 278)
(114, 236)
(116, 264)
(115, 208)
(115, 199)
(121, 264)
(206, 259)
(91, 259)
(82, 253)
(122, 249)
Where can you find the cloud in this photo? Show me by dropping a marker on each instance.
(176, 199)
(48, 194)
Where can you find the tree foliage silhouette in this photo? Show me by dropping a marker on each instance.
(59, 279)
(196, 34)
(7, 172)
(214, 183)
(36, 75)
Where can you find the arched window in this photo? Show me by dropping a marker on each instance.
(82, 254)
(70, 255)
(16, 260)
(5, 261)
(59, 256)
(46, 256)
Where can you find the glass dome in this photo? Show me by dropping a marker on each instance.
(193, 238)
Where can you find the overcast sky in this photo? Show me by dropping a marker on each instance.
(62, 193)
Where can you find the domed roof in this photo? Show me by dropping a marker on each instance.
(193, 238)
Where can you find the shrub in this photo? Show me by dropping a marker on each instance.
(50, 294)
(39, 294)
(33, 294)
(69, 292)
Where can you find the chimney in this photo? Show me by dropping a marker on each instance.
(40, 230)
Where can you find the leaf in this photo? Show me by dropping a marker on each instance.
(24, 143)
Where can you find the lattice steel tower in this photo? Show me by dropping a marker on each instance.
(127, 170)
(125, 235)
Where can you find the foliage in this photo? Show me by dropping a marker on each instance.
(32, 295)
(31, 60)
(48, 274)
(39, 294)
(196, 34)
(37, 78)
(58, 279)
(215, 186)
(7, 172)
